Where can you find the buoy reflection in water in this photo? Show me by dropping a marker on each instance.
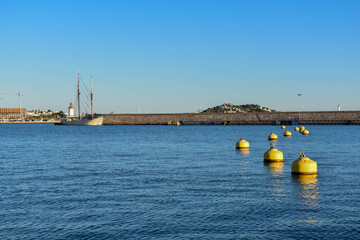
(275, 168)
(308, 189)
(244, 155)
(244, 152)
(276, 180)
(244, 161)
(308, 193)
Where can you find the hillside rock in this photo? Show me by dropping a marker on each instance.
(230, 108)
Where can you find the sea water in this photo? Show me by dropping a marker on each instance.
(176, 182)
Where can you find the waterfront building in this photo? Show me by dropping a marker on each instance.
(11, 113)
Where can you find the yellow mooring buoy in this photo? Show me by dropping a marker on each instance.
(242, 144)
(302, 128)
(273, 155)
(282, 127)
(287, 134)
(305, 132)
(273, 137)
(296, 129)
(304, 165)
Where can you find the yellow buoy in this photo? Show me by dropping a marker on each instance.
(305, 132)
(178, 123)
(302, 128)
(242, 144)
(273, 155)
(282, 127)
(273, 137)
(304, 165)
(296, 129)
(287, 134)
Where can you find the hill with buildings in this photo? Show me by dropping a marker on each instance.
(230, 108)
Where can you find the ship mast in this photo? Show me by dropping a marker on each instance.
(91, 97)
(78, 94)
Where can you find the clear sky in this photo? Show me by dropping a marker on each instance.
(169, 56)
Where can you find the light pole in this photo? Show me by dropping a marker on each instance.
(299, 94)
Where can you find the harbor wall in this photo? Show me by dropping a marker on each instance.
(254, 118)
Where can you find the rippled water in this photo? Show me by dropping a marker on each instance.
(176, 182)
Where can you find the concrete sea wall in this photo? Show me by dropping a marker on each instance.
(261, 118)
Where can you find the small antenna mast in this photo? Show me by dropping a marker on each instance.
(20, 112)
(92, 98)
(78, 95)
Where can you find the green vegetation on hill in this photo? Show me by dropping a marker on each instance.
(230, 108)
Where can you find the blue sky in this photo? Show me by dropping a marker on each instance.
(181, 56)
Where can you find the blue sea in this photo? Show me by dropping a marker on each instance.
(176, 182)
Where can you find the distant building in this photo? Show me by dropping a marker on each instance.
(8, 113)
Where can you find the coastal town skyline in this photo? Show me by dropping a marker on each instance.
(181, 56)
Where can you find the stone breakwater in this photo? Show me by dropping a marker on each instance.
(254, 118)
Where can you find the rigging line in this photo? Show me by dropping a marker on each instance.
(86, 106)
(82, 89)
(85, 103)
(84, 85)
(85, 110)
(84, 98)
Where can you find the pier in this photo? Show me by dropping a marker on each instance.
(254, 118)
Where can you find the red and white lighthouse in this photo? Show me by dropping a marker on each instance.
(71, 110)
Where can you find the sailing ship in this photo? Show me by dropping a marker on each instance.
(87, 120)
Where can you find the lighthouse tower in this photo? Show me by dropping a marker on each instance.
(71, 110)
